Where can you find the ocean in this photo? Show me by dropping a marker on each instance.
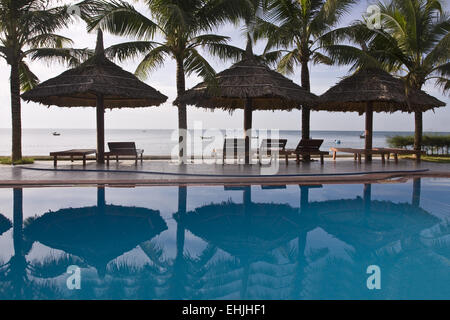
(38, 142)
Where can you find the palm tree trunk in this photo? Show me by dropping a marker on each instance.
(179, 277)
(16, 112)
(306, 112)
(416, 192)
(182, 114)
(418, 133)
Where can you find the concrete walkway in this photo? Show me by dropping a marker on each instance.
(42, 173)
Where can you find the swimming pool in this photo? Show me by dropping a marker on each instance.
(379, 241)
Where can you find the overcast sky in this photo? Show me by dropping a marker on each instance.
(322, 77)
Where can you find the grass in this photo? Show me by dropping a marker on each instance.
(436, 159)
(7, 161)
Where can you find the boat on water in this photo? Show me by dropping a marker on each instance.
(56, 133)
(362, 135)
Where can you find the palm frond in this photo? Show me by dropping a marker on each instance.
(52, 267)
(224, 51)
(120, 18)
(440, 53)
(443, 84)
(70, 57)
(329, 14)
(349, 55)
(215, 13)
(130, 50)
(28, 80)
(319, 58)
(288, 62)
(205, 39)
(153, 60)
(196, 63)
(49, 40)
(271, 58)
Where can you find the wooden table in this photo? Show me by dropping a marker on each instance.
(397, 151)
(72, 153)
(357, 153)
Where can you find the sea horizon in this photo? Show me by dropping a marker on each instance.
(237, 128)
(163, 142)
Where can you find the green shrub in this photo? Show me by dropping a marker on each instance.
(431, 143)
(7, 160)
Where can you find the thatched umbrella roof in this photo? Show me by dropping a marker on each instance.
(248, 230)
(384, 222)
(96, 234)
(79, 87)
(251, 79)
(387, 94)
(96, 83)
(5, 224)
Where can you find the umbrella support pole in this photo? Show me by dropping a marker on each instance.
(100, 130)
(248, 129)
(416, 192)
(369, 130)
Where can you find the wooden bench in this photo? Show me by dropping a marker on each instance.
(270, 147)
(396, 151)
(357, 153)
(309, 147)
(72, 154)
(123, 149)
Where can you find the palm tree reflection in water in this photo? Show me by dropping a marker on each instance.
(22, 279)
(254, 250)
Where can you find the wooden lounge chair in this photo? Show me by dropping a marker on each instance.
(271, 147)
(396, 151)
(233, 147)
(309, 147)
(72, 154)
(357, 153)
(123, 149)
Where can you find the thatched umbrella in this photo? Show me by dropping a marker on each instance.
(249, 85)
(96, 83)
(248, 230)
(369, 224)
(5, 224)
(374, 90)
(96, 234)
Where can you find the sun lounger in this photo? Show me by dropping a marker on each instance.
(273, 147)
(357, 153)
(233, 147)
(309, 147)
(72, 154)
(123, 149)
(396, 151)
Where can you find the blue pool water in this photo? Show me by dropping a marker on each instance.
(322, 242)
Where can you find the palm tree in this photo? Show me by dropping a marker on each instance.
(414, 43)
(185, 26)
(27, 31)
(415, 39)
(296, 27)
(23, 279)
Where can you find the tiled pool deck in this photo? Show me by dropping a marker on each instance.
(164, 172)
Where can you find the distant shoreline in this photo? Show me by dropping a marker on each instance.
(285, 130)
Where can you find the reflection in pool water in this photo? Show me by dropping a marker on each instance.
(307, 242)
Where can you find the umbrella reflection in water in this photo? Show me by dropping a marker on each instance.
(97, 234)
